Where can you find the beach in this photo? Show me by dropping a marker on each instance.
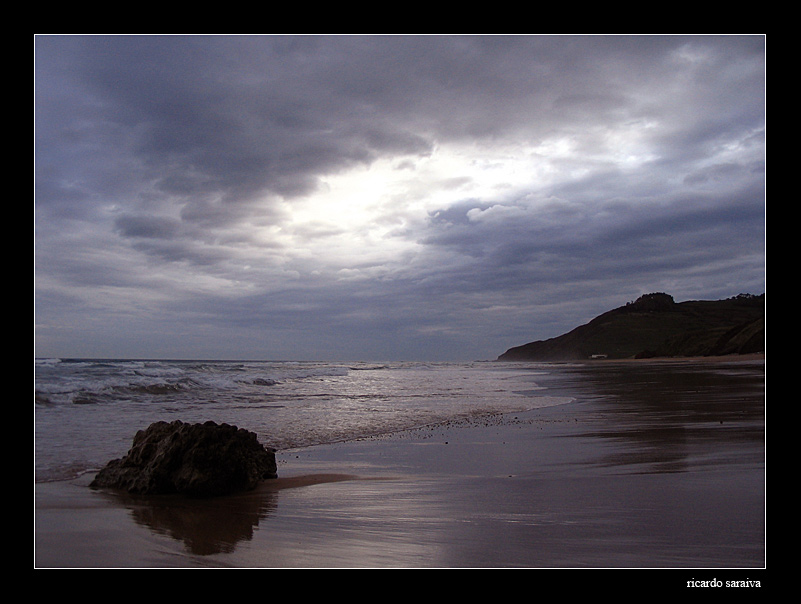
(651, 465)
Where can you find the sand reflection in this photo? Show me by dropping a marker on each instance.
(665, 416)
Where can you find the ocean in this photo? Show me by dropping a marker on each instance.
(88, 410)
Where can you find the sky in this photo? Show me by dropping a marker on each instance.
(400, 197)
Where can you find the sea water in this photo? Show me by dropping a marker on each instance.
(87, 411)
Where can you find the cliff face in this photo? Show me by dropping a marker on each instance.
(656, 326)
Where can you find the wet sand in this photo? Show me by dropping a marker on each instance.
(650, 467)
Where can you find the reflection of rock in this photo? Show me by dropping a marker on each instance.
(213, 525)
(194, 459)
(205, 526)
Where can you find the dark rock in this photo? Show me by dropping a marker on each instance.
(198, 460)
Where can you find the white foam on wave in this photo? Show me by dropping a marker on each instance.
(289, 404)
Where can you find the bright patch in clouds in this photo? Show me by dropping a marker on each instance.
(367, 212)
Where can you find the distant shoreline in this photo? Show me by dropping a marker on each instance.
(728, 358)
(757, 356)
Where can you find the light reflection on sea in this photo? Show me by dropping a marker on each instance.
(87, 411)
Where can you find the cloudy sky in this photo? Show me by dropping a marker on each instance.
(385, 197)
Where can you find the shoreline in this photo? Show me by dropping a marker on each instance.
(729, 358)
(569, 486)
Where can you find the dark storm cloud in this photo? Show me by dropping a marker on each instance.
(192, 182)
(235, 116)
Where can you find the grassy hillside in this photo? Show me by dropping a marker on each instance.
(656, 326)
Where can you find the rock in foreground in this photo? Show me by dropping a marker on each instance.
(199, 460)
